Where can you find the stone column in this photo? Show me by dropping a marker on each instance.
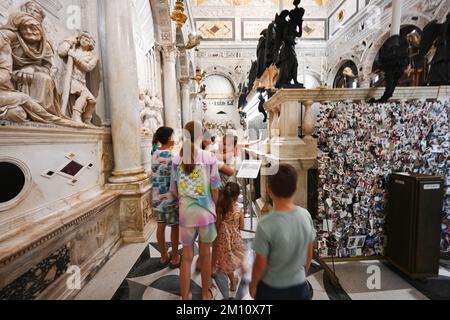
(171, 107)
(396, 17)
(123, 93)
(186, 101)
(129, 177)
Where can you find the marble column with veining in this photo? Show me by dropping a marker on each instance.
(171, 108)
(123, 87)
(396, 17)
(186, 101)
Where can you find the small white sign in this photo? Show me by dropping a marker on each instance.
(249, 169)
(432, 187)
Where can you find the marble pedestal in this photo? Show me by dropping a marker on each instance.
(136, 215)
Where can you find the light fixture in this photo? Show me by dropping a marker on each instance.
(178, 15)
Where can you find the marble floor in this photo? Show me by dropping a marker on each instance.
(133, 274)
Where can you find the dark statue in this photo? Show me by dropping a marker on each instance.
(287, 61)
(393, 60)
(280, 25)
(437, 35)
(261, 53)
(252, 74)
(262, 101)
(277, 46)
(270, 45)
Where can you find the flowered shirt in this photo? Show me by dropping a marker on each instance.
(162, 199)
(197, 208)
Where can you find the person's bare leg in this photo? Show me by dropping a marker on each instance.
(205, 262)
(233, 281)
(175, 237)
(161, 237)
(185, 272)
(214, 259)
(198, 267)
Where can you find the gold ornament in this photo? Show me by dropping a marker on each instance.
(178, 15)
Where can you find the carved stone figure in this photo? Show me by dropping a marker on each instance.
(79, 50)
(287, 62)
(33, 9)
(438, 36)
(32, 59)
(151, 115)
(16, 106)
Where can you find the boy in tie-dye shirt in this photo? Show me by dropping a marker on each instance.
(163, 202)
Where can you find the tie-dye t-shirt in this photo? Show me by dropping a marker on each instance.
(162, 199)
(197, 208)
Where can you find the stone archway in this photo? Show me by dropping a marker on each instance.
(344, 59)
(224, 72)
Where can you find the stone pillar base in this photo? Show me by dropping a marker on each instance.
(136, 214)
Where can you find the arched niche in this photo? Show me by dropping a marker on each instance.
(221, 103)
(224, 72)
(333, 72)
(347, 75)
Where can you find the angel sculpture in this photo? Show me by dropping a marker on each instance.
(393, 60)
(193, 41)
(287, 60)
(438, 36)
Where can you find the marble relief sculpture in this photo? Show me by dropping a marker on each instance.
(28, 90)
(17, 106)
(151, 114)
(32, 57)
(81, 59)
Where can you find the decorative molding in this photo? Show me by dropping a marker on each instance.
(169, 51)
(211, 29)
(6, 259)
(32, 283)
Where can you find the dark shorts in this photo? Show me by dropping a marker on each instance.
(301, 292)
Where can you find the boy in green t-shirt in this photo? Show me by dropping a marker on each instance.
(283, 244)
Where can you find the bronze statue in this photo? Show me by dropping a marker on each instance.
(261, 53)
(262, 101)
(270, 45)
(280, 25)
(438, 35)
(252, 75)
(393, 61)
(287, 62)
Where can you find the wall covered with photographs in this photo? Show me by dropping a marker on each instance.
(360, 146)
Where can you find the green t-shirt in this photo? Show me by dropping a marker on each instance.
(283, 238)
